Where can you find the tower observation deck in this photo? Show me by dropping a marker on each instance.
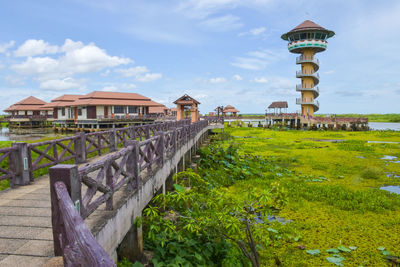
(307, 39)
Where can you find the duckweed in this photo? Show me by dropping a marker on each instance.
(334, 203)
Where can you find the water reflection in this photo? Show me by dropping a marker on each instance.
(7, 134)
(391, 188)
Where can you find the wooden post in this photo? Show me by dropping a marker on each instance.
(113, 140)
(147, 131)
(161, 147)
(131, 132)
(173, 136)
(133, 165)
(68, 174)
(20, 164)
(80, 148)
(110, 184)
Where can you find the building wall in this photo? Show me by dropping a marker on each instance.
(84, 114)
(61, 117)
(308, 82)
(100, 110)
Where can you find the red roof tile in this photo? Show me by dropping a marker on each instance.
(29, 104)
(306, 25)
(114, 95)
(279, 104)
(229, 109)
(186, 100)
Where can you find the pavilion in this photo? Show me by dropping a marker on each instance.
(188, 104)
(230, 109)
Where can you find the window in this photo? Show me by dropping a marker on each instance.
(318, 35)
(303, 36)
(119, 109)
(323, 36)
(63, 111)
(132, 109)
(296, 37)
(79, 111)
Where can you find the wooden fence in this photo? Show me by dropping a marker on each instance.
(19, 162)
(88, 187)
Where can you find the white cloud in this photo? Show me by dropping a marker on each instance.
(329, 72)
(14, 81)
(260, 80)
(118, 87)
(249, 63)
(134, 71)
(217, 80)
(222, 23)
(237, 77)
(258, 31)
(34, 47)
(259, 59)
(70, 45)
(59, 85)
(148, 77)
(201, 9)
(254, 32)
(5, 46)
(76, 59)
(200, 96)
(110, 88)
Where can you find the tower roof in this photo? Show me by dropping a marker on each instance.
(307, 25)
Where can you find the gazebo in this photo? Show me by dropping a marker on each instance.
(187, 103)
(278, 105)
(230, 109)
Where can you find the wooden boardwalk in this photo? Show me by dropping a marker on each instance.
(26, 237)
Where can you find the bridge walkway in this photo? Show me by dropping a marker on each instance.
(26, 237)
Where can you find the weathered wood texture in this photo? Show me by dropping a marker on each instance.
(103, 178)
(79, 246)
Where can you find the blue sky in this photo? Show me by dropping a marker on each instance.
(218, 51)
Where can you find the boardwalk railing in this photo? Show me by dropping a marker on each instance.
(94, 184)
(19, 162)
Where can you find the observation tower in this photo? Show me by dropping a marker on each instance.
(307, 39)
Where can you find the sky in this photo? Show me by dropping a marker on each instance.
(221, 52)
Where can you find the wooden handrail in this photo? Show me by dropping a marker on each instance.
(80, 248)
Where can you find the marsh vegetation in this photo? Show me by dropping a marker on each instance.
(323, 187)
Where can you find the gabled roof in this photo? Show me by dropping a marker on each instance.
(158, 109)
(29, 104)
(307, 25)
(114, 95)
(279, 104)
(186, 100)
(62, 101)
(31, 101)
(97, 98)
(66, 98)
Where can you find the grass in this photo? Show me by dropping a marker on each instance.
(333, 191)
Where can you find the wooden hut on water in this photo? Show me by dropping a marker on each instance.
(30, 112)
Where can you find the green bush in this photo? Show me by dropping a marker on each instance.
(371, 173)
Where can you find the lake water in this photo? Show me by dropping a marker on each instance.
(25, 134)
(395, 126)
